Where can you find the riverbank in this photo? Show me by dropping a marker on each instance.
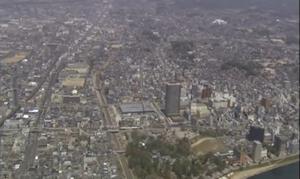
(244, 174)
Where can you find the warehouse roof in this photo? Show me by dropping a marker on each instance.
(136, 107)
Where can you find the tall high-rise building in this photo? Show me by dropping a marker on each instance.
(280, 145)
(257, 149)
(206, 92)
(172, 99)
(256, 133)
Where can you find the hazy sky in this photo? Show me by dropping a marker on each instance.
(289, 5)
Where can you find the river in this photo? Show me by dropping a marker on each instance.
(286, 172)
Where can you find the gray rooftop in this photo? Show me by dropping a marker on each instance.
(136, 107)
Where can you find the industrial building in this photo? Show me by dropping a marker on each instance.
(141, 107)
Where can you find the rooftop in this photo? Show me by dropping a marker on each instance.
(73, 82)
(136, 107)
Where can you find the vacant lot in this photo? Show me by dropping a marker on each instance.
(15, 58)
(207, 144)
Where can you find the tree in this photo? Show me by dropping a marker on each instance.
(166, 170)
(153, 176)
(178, 169)
(195, 167)
(220, 163)
(140, 172)
(183, 147)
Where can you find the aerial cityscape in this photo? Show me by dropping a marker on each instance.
(149, 89)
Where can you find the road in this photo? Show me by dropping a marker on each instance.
(110, 123)
(32, 141)
(167, 122)
(53, 62)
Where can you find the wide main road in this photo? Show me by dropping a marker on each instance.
(110, 123)
(32, 141)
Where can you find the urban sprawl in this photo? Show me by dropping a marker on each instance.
(145, 89)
